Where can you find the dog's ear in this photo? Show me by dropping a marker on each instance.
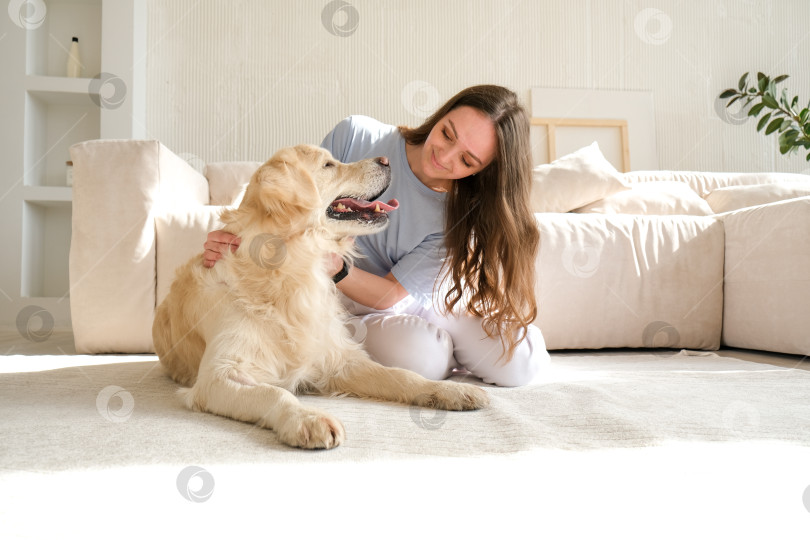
(282, 196)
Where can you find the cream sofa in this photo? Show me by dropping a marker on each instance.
(648, 259)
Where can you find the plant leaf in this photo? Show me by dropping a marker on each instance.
(787, 141)
(728, 93)
(780, 78)
(763, 121)
(769, 102)
(763, 82)
(756, 109)
(743, 79)
(773, 126)
(786, 123)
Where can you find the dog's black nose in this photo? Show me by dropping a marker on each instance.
(383, 161)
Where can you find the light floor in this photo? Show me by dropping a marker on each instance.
(57, 343)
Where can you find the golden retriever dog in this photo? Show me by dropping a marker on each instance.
(266, 323)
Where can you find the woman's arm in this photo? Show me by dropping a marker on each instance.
(366, 288)
(371, 290)
(363, 287)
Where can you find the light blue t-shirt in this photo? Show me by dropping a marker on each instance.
(412, 246)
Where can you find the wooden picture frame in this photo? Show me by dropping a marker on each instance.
(551, 125)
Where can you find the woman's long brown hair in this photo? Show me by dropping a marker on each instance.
(490, 233)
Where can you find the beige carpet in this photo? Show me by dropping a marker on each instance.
(604, 440)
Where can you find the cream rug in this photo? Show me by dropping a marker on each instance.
(605, 440)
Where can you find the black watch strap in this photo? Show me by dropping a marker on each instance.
(342, 273)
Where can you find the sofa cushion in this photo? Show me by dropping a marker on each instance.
(227, 180)
(767, 282)
(732, 198)
(704, 183)
(630, 281)
(180, 235)
(652, 198)
(574, 180)
(119, 186)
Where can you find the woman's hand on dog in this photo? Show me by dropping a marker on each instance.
(220, 242)
(334, 263)
(217, 245)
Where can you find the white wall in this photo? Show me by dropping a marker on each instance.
(237, 80)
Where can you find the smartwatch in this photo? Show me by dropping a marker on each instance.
(342, 273)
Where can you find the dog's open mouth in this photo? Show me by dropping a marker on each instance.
(348, 208)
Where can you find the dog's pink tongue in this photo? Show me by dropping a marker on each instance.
(393, 204)
(358, 205)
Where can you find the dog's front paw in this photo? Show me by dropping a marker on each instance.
(453, 396)
(311, 428)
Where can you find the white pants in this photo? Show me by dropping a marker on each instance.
(413, 337)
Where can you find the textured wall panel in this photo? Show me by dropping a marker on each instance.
(231, 80)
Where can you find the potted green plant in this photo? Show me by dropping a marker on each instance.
(781, 114)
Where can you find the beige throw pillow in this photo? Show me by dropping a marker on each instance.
(664, 198)
(574, 180)
(732, 198)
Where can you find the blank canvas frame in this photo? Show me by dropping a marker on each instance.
(551, 125)
(598, 110)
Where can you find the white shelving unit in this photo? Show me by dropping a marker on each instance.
(47, 112)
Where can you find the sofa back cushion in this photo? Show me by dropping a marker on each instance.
(704, 183)
(664, 198)
(227, 180)
(630, 281)
(732, 198)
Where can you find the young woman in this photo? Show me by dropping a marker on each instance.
(449, 285)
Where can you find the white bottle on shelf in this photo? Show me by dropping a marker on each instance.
(74, 65)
